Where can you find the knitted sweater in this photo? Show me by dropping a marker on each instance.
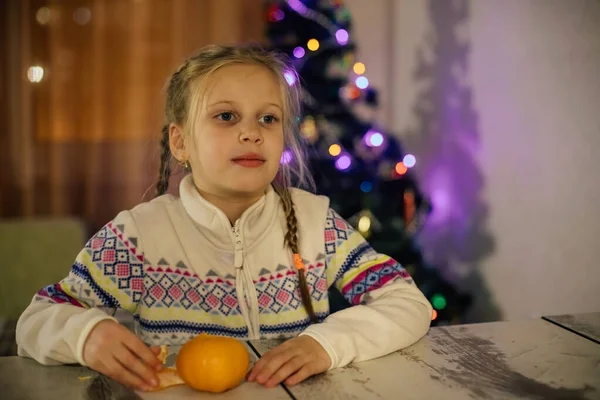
(180, 268)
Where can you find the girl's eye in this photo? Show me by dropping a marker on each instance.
(268, 119)
(225, 116)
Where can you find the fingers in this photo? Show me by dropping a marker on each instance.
(137, 366)
(292, 362)
(118, 372)
(266, 359)
(270, 363)
(140, 349)
(293, 365)
(304, 373)
(116, 352)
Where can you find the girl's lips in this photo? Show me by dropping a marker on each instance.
(249, 163)
(249, 160)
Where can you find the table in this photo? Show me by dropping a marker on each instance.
(586, 325)
(25, 379)
(531, 359)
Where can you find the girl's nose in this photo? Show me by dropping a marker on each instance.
(251, 134)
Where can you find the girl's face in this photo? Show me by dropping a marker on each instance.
(237, 141)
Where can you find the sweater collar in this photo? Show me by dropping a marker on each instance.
(253, 223)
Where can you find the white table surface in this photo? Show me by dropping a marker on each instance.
(25, 379)
(531, 359)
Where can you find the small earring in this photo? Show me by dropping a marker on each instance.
(186, 165)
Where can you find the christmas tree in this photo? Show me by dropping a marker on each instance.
(362, 168)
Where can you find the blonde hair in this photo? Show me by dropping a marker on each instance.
(185, 91)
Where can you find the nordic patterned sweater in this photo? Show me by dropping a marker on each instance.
(180, 268)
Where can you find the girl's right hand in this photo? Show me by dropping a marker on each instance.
(118, 353)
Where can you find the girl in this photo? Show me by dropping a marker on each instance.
(239, 253)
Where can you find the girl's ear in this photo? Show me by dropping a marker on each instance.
(177, 143)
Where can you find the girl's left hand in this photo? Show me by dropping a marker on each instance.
(292, 361)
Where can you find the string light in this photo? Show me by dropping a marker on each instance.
(377, 139)
(313, 45)
(276, 16)
(409, 160)
(35, 74)
(335, 150)
(321, 19)
(438, 301)
(290, 77)
(343, 14)
(309, 128)
(43, 16)
(366, 186)
(341, 35)
(353, 92)
(362, 82)
(400, 168)
(298, 6)
(286, 157)
(359, 68)
(348, 59)
(343, 162)
(434, 315)
(299, 52)
(373, 139)
(364, 224)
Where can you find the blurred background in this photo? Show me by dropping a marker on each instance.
(460, 137)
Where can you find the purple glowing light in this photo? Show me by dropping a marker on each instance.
(297, 6)
(299, 52)
(362, 82)
(290, 77)
(441, 203)
(278, 15)
(373, 139)
(343, 162)
(341, 36)
(440, 189)
(409, 160)
(286, 157)
(377, 139)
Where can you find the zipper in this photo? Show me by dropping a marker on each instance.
(248, 302)
(238, 257)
